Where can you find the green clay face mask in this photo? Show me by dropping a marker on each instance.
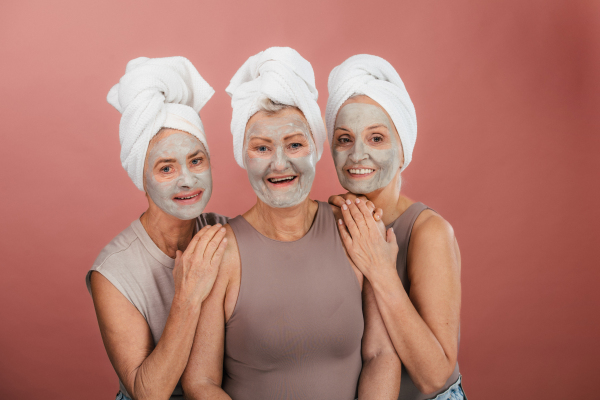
(177, 175)
(365, 148)
(280, 158)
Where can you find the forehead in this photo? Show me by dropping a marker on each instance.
(361, 114)
(173, 141)
(286, 121)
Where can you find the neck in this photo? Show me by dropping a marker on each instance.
(283, 224)
(166, 231)
(390, 200)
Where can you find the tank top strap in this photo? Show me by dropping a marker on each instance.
(403, 226)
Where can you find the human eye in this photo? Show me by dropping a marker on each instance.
(295, 146)
(197, 161)
(344, 139)
(166, 169)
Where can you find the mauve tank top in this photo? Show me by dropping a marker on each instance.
(297, 326)
(403, 228)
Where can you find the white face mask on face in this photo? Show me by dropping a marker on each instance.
(365, 148)
(177, 175)
(280, 157)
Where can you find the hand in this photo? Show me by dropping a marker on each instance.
(371, 248)
(339, 199)
(196, 268)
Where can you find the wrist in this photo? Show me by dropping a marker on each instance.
(187, 304)
(386, 282)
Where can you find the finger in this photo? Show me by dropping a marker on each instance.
(367, 215)
(218, 256)
(214, 243)
(346, 239)
(336, 200)
(370, 205)
(349, 196)
(350, 223)
(204, 240)
(391, 236)
(187, 254)
(357, 214)
(378, 214)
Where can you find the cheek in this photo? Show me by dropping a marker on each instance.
(339, 157)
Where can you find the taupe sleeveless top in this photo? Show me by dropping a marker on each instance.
(135, 265)
(296, 330)
(403, 228)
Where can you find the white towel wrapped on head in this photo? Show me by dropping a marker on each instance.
(156, 93)
(282, 75)
(374, 77)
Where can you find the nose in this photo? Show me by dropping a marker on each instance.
(279, 162)
(357, 154)
(186, 178)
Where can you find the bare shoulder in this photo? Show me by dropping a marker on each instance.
(431, 225)
(433, 249)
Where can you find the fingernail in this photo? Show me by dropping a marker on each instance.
(340, 222)
(224, 240)
(222, 229)
(344, 207)
(357, 200)
(348, 202)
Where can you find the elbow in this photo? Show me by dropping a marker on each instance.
(433, 383)
(196, 388)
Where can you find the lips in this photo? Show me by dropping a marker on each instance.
(188, 198)
(282, 181)
(360, 172)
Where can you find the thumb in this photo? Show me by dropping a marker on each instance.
(391, 236)
(178, 255)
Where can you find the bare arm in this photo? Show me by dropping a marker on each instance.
(203, 375)
(150, 372)
(423, 328)
(380, 375)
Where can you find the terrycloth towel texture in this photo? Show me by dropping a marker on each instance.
(156, 93)
(374, 77)
(282, 75)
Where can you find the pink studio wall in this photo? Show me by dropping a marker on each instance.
(507, 96)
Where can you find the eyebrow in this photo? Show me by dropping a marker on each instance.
(343, 129)
(264, 139)
(292, 135)
(165, 160)
(194, 154)
(377, 126)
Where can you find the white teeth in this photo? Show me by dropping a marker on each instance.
(289, 178)
(190, 197)
(361, 171)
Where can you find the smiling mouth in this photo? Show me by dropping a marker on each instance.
(282, 181)
(361, 171)
(190, 198)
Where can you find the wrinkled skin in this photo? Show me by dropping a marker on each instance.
(280, 147)
(177, 167)
(366, 148)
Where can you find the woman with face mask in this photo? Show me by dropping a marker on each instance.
(286, 317)
(149, 282)
(414, 268)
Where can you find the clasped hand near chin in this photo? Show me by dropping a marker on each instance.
(372, 249)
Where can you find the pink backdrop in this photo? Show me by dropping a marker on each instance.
(507, 96)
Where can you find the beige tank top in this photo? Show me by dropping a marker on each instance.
(144, 275)
(403, 228)
(296, 329)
